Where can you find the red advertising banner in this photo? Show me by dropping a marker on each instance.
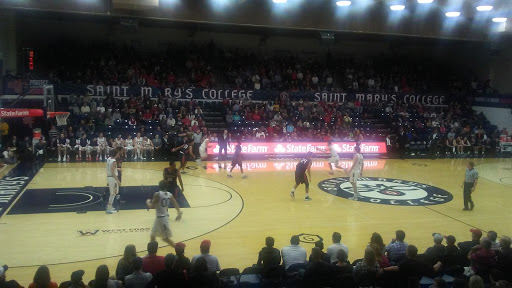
(290, 148)
(270, 166)
(19, 113)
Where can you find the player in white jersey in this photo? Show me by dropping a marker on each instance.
(334, 159)
(137, 144)
(119, 142)
(356, 171)
(102, 147)
(148, 147)
(203, 151)
(113, 179)
(128, 145)
(160, 203)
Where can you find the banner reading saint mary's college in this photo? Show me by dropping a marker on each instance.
(16, 87)
(298, 148)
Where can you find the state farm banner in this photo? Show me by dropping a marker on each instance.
(273, 166)
(19, 113)
(299, 148)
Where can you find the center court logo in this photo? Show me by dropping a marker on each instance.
(387, 191)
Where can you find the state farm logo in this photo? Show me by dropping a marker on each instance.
(387, 191)
(279, 149)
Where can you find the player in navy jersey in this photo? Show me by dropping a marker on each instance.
(237, 160)
(183, 150)
(302, 167)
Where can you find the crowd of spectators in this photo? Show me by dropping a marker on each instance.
(474, 263)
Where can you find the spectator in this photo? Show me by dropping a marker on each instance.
(4, 283)
(396, 250)
(318, 272)
(269, 258)
(211, 260)
(435, 253)
(85, 109)
(42, 279)
(169, 275)
(342, 267)
(337, 245)
(125, 264)
(102, 280)
(260, 134)
(293, 254)
(466, 246)
(504, 261)
(153, 263)
(182, 262)
(476, 282)
(76, 280)
(320, 245)
(200, 276)
(365, 271)
(411, 268)
(482, 258)
(137, 279)
(493, 236)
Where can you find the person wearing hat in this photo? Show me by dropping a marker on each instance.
(211, 260)
(466, 246)
(469, 185)
(76, 280)
(4, 283)
(435, 253)
(137, 279)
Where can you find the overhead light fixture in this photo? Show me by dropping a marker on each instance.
(397, 7)
(279, 1)
(484, 8)
(499, 19)
(425, 1)
(343, 3)
(452, 14)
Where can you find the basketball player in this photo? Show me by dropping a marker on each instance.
(103, 146)
(119, 162)
(237, 160)
(73, 145)
(170, 176)
(184, 149)
(94, 146)
(84, 146)
(203, 151)
(148, 147)
(119, 142)
(334, 159)
(113, 179)
(300, 175)
(62, 147)
(138, 141)
(160, 203)
(128, 145)
(356, 171)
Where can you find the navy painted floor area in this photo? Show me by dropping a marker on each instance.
(13, 183)
(84, 199)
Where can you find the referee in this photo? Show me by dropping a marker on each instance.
(470, 181)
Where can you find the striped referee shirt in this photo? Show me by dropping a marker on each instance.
(471, 176)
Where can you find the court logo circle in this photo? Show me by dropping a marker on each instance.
(387, 191)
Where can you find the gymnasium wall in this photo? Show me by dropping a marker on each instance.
(502, 117)
(8, 41)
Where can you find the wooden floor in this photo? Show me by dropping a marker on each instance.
(237, 214)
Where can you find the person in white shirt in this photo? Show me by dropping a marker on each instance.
(334, 159)
(260, 134)
(112, 179)
(102, 147)
(100, 108)
(211, 260)
(138, 145)
(128, 144)
(293, 254)
(148, 147)
(332, 250)
(85, 109)
(356, 171)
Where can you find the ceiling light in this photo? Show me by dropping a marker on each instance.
(397, 7)
(452, 14)
(499, 19)
(484, 8)
(425, 1)
(279, 1)
(343, 3)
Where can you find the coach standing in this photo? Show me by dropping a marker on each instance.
(470, 181)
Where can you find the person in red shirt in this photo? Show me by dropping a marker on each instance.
(42, 279)
(153, 263)
(147, 115)
(186, 122)
(256, 117)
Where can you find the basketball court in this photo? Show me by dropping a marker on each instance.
(56, 216)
